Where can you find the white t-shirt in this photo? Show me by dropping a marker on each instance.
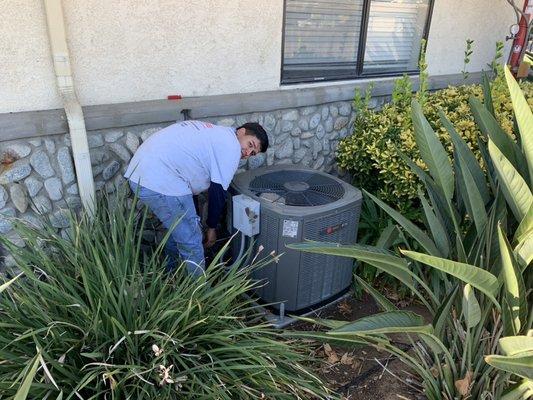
(185, 157)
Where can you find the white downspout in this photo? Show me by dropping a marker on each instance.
(76, 123)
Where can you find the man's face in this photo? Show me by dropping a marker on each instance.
(250, 145)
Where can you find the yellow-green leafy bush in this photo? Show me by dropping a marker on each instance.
(370, 153)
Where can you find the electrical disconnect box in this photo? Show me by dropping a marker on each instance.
(246, 215)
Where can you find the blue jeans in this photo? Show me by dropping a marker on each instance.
(186, 237)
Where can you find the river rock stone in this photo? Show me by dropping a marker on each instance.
(334, 111)
(95, 140)
(66, 166)
(345, 109)
(41, 204)
(270, 122)
(73, 189)
(148, 132)
(306, 135)
(284, 150)
(60, 219)
(291, 115)
(296, 142)
(328, 125)
(113, 135)
(6, 218)
(318, 163)
(314, 121)
(226, 122)
(320, 132)
(53, 188)
(281, 138)
(299, 155)
(257, 161)
(309, 110)
(325, 112)
(32, 220)
(110, 170)
(132, 142)
(286, 126)
(3, 197)
(120, 151)
(50, 146)
(15, 172)
(303, 124)
(18, 197)
(41, 164)
(340, 123)
(16, 150)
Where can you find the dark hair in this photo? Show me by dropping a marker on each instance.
(253, 128)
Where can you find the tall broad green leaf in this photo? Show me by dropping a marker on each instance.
(432, 151)
(515, 189)
(438, 231)
(492, 129)
(521, 391)
(418, 234)
(443, 312)
(520, 364)
(524, 250)
(512, 345)
(515, 293)
(524, 118)
(469, 160)
(386, 322)
(471, 309)
(472, 198)
(487, 95)
(477, 277)
(525, 227)
(381, 300)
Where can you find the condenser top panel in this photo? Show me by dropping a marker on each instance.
(296, 188)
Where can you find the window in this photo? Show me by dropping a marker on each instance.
(346, 39)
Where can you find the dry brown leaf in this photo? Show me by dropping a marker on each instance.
(346, 359)
(344, 308)
(434, 371)
(327, 349)
(333, 358)
(463, 385)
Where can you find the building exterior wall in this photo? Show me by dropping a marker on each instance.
(124, 53)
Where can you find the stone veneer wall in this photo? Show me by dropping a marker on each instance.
(37, 174)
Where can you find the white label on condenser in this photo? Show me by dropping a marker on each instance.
(290, 228)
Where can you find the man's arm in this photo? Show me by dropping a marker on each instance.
(217, 200)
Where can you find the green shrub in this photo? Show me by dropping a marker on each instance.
(93, 317)
(371, 155)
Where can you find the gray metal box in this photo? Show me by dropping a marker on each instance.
(299, 203)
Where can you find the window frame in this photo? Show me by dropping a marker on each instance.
(358, 71)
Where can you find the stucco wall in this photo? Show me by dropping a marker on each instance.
(125, 51)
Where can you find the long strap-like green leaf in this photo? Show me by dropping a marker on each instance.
(432, 151)
(515, 189)
(477, 277)
(524, 118)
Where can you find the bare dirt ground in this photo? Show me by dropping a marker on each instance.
(360, 373)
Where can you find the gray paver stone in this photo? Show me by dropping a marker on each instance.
(120, 151)
(95, 140)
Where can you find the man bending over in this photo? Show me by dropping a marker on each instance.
(183, 160)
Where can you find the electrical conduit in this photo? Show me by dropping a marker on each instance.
(76, 123)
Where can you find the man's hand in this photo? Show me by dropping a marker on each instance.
(210, 237)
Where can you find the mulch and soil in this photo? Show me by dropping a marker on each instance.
(362, 373)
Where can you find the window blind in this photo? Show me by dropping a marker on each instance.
(321, 38)
(394, 33)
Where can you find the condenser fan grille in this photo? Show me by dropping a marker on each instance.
(297, 188)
